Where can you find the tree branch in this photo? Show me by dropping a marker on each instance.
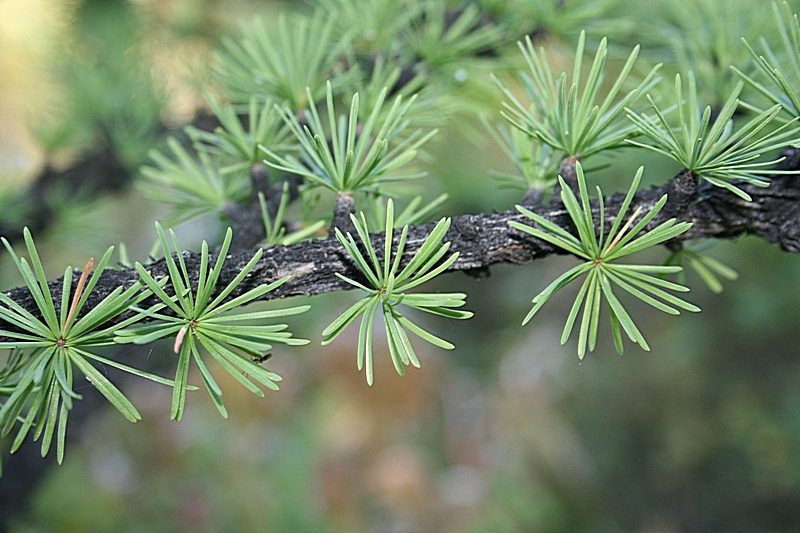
(485, 239)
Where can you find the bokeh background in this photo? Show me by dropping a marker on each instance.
(508, 432)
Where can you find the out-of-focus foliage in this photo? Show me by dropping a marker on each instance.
(282, 63)
(108, 95)
(509, 433)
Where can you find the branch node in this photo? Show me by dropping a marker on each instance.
(681, 192)
(568, 172)
(468, 226)
(246, 219)
(344, 207)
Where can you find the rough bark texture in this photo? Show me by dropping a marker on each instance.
(485, 239)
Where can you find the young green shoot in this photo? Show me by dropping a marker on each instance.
(49, 348)
(600, 268)
(237, 147)
(387, 286)
(719, 153)
(199, 317)
(346, 156)
(570, 120)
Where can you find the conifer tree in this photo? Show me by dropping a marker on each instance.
(313, 155)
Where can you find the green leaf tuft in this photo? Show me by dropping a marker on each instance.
(387, 292)
(600, 254)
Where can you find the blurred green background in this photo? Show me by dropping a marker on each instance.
(509, 432)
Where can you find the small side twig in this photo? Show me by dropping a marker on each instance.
(344, 207)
